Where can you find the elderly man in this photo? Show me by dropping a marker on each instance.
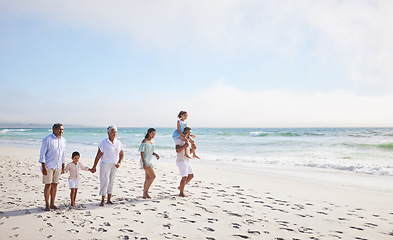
(111, 154)
(52, 163)
(183, 162)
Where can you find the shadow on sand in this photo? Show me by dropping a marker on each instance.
(84, 206)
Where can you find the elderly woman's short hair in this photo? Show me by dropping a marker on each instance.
(109, 129)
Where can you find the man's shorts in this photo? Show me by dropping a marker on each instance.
(74, 183)
(185, 168)
(52, 176)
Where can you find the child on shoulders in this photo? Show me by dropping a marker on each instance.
(178, 133)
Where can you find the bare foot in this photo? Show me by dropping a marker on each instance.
(47, 208)
(102, 203)
(182, 195)
(53, 207)
(146, 195)
(195, 156)
(109, 202)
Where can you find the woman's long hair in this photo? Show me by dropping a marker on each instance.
(150, 130)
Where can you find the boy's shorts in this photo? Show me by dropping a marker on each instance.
(52, 176)
(185, 168)
(74, 183)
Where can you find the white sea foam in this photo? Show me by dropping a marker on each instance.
(258, 134)
(7, 130)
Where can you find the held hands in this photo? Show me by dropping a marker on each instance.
(62, 171)
(93, 170)
(117, 165)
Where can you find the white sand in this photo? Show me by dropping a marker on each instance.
(222, 204)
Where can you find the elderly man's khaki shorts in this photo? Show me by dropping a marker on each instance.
(52, 176)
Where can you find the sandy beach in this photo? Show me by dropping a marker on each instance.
(221, 204)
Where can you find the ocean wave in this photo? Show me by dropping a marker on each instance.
(314, 134)
(358, 168)
(228, 134)
(6, 130)
(259, 134)
(283, 134)
(385, 146)
(388, 146)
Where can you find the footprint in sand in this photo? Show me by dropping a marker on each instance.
(236, 225)
(73, 231)
(167, 225)
(240, 236)
(357, 228)
(212, 220)
(371, 225)
(254, 232)
(125, 237)
(125, 230)
(102, 230)
(233, 213)
(305, 230)
(323, 213)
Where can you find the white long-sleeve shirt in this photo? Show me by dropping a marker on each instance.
(52, 151)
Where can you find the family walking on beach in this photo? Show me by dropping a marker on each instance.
(110, 152)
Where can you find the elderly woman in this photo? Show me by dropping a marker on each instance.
(111, 154)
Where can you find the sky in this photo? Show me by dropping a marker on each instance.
(227, 63)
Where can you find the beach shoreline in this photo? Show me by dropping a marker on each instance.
(222, 203)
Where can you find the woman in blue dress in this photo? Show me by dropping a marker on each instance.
(147, 152)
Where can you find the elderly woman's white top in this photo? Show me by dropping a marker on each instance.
(110, 151)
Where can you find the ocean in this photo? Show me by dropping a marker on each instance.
(356, 150)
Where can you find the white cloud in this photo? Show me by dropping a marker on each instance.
(221, 105)
(356, 32)
(226, 106)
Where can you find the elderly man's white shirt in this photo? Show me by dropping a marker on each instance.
(110, 150)
(52, 151)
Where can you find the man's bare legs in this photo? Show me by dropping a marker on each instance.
(50, 191)
(47, 196)
(183, 182)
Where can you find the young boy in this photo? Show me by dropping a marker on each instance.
(74, 179)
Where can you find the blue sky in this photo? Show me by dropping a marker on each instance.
(228, 63)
